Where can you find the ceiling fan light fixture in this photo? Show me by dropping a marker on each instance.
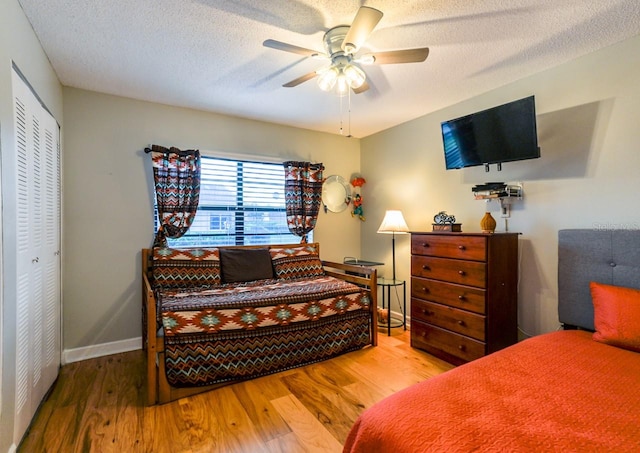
(327, 79)
(341, 44)
(342, 84)
(354, 75)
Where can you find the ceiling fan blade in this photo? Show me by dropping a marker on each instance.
(362, 88)
(401, 56)
(299, 80)
(363, 24)
(272, 43)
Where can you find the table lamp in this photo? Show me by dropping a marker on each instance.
(393, 223)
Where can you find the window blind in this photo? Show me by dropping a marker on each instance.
(241, 203)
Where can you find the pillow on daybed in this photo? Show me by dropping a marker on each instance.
(616, 315)
(296, 262)
(245, 265)
(185, 268)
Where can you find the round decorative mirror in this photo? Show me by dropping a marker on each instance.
(336, 194)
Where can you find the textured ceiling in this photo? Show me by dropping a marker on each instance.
(208, 54)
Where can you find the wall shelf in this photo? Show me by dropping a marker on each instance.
(503, 193)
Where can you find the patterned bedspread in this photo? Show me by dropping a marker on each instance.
(247, 330)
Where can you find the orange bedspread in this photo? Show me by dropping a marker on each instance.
(556, 392)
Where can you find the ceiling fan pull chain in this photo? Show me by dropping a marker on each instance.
(341, 131)
(349, 94)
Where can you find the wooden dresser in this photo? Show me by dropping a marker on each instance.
(464, 295)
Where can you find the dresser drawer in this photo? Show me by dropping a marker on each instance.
(434, 339)
(470, 273)
(459, 296)
(450, 246)
(459, 321)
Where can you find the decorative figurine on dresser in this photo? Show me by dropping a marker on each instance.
(464, 295)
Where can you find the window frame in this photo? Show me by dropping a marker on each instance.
(241, 212)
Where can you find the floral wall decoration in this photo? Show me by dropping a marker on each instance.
(357, 182)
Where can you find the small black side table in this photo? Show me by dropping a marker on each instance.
(358, 262)
(387, 284)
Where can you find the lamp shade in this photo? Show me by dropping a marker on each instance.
(393, 222)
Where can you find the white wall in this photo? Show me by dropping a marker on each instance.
(108, 187)
(18, 43)
(587, 177)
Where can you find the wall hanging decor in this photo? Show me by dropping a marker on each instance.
(336, 194)
(357, 182)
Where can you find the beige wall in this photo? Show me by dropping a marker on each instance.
(587, 177)
(18, 43)
(108, 188)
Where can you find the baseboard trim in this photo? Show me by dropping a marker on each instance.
(100, 350)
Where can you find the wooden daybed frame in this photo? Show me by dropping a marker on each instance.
(159, 391)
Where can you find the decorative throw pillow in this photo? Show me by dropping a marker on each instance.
(244, 265)
(616, 315)
(186, 268)
(296, 261)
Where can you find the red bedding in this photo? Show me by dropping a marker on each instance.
(556, 392)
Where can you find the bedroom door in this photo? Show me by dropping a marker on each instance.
(35, 227)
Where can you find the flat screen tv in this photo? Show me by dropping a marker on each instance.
(500, 134)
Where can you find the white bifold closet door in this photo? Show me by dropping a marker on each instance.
(37, 252)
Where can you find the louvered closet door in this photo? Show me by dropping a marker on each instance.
(51, 255)
(37, 232)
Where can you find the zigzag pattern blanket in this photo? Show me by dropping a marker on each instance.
(248, 330)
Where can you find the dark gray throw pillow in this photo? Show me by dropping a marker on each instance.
(245, 265)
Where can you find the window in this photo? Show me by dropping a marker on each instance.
(241, 203)
(219, 222)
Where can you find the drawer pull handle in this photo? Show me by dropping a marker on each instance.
(426, 290)
(424, 244)
(425, 267)
(461, 272)
(461, 247)
(461, 322)
(461, 297)
(461, 347)
(426, 312)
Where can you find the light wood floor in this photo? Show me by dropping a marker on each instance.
(98, 405)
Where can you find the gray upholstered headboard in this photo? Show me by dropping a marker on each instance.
(605, 256)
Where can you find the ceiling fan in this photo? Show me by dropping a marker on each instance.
(341, 45)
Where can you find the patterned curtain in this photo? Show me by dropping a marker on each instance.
(303, 196)
(177, 180)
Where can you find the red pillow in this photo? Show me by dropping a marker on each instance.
(616, 315)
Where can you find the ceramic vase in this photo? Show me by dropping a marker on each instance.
(488, 223)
